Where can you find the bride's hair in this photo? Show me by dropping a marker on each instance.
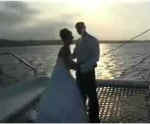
(64, 33)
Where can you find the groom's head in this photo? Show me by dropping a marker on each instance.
(66, 36)
(80, 27)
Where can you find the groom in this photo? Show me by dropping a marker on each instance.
(87, 54)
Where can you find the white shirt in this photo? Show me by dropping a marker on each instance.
(87, 52)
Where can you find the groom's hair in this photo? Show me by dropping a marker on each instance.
(64, 33)
(80, 25)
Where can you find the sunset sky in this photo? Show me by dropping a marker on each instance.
(105, 19)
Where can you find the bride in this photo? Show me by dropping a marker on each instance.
(62, 102)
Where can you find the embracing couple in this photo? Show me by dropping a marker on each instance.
(64, 99)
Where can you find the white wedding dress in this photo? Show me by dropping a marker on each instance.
(61, 102)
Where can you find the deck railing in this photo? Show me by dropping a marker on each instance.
(22, 60)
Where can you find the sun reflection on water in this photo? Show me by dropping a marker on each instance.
(106, 65)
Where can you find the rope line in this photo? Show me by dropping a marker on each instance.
(123, 44)
(133, 66)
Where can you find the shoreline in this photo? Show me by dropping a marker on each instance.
(6, 43)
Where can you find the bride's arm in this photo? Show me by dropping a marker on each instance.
(65, 55)
(71, 64)
(74, 54)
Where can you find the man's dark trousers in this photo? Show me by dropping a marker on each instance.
(87, 84)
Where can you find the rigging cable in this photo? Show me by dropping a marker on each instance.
(138, 63)
(133, 38)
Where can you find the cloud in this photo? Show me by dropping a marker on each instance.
(132, 15)
(15, 12)
(47, 30)
(26, 20)
(20, 21)
(132, 1)
(123, 20)
(12, 15)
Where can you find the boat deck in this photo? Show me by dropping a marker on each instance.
(119, 101)
(118, 104)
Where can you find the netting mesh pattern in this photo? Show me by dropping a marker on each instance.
(123, 104)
